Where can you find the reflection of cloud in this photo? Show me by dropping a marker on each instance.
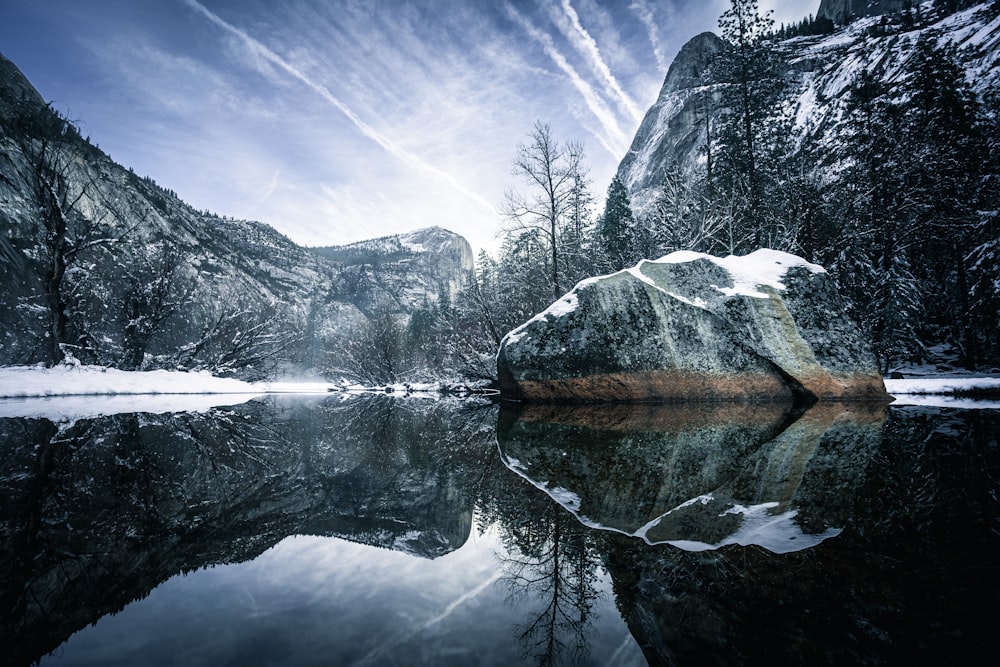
(384, 649)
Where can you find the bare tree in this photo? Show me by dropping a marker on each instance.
(157, 289)
(554, 173)
(244, 337)
(73, 217)
(372, 354)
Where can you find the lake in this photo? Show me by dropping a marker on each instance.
(381, 530)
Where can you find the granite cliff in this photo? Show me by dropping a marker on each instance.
(143, 280)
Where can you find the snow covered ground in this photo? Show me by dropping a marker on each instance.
(69, 392)
(941, 391)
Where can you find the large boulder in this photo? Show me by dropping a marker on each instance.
(690, 327)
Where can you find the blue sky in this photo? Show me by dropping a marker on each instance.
(340, 120)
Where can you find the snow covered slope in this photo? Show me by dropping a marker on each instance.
(819, 69)
(219, 280)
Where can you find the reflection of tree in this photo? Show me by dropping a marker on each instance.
(550, 559)
(95, 512)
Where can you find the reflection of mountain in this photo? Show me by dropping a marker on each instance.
(95, 514)
(699, 476)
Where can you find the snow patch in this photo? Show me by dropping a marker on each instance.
(73, 380)
(560, 308)
(778, 533)
(761, 268)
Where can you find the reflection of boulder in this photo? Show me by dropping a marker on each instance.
(697, 476)
(98, 512)
(903, 583)
(694, 327)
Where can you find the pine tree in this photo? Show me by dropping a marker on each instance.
(750, 72)
(945, 147)
(617, 232)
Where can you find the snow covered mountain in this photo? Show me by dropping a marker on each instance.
(125, 273)
(871, 36)
(405, 271)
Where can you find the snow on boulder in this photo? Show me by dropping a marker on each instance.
(690, 327)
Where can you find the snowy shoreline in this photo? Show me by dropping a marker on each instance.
(71, 380)
(91, 383)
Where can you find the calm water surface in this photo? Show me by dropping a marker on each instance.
(387, 531)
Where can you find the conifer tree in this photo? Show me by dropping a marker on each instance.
(945, 149)
(750, 72)
(617, 232)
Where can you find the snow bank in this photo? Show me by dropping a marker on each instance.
(939, 391)
(68, 380)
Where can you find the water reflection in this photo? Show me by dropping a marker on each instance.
(697, 477)
(98, 512)
(834, 536)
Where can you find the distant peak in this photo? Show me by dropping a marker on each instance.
(15, 85)
(691, 62)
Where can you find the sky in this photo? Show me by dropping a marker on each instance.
(341, 120)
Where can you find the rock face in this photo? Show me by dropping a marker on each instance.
(691, 327)
(234, 271)
(818, 68)
(673, 129)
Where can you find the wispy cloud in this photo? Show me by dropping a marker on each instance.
(645, 13)
(613, 139)
(581, 39)
(267, 55)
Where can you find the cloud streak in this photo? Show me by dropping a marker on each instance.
(613, 139)
(410, 159)
(587, 45)
(645, 13)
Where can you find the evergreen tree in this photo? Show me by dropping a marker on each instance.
(617, 232)
(750, 131)
(983, 259)
(946, 153)
(575, 247)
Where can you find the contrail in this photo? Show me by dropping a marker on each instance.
(645, 14)
(617, 142)
(393, 642)
(587, 45)
(392, 147)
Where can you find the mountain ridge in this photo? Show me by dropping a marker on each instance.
(199, 291)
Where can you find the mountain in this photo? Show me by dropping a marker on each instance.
(672, 131)
(818, 70)
(402, 272)
(108, 267)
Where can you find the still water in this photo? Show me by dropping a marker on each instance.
(402, 531)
